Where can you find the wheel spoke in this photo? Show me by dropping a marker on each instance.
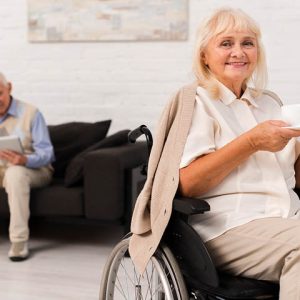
(156, 290)
(159, 282)
(149, 281)
(136, 275)
(120, 289)
(127, 274)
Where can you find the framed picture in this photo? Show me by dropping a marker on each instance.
(107, 20)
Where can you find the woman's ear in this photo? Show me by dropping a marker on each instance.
(203, 58)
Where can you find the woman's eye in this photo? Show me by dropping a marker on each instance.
(248, 44)
(226, 44)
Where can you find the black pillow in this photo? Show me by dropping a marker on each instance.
(68, 139)
(74, 171)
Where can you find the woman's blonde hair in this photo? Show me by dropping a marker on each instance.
(225, 20)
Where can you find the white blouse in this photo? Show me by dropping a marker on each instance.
(260, 187)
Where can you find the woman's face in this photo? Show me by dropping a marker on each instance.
(232, 57)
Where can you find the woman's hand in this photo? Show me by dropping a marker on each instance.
(13, 157)
(270, 136)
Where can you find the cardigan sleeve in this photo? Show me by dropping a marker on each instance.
(140, 222)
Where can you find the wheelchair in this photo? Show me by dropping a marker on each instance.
(181, 268)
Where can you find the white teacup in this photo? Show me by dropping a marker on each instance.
(291, 114)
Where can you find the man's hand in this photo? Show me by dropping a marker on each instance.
(13, 157)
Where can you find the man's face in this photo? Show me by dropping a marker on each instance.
(4, 98)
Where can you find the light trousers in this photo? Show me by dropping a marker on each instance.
(17, 181)
(267, 249)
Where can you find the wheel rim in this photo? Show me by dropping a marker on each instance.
(124, 282)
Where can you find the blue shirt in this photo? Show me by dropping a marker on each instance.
(43, 150)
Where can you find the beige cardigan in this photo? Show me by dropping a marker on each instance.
(154, 204)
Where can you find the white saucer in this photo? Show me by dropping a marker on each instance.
(295, 127)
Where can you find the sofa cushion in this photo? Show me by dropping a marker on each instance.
(69, 139)
(52, 200)
(74, 170)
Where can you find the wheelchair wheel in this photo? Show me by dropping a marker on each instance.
(161, 280)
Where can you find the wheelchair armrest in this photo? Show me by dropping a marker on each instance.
(190, 206)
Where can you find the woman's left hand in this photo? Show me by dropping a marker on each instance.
(13, 157)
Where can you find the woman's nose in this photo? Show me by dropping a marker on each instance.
(237, 51)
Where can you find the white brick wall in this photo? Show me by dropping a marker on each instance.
(131, 82)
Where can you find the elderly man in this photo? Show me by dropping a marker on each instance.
(21, 171)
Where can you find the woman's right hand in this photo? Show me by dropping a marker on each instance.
(270, 136)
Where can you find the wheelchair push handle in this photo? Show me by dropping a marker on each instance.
(136, 133)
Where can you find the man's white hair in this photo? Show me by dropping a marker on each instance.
(3, 79)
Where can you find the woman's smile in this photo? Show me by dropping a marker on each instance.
(237, 64)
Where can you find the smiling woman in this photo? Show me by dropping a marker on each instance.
(222, 139)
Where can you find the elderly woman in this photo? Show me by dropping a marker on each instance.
(223, 141)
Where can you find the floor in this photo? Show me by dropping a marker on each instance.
(66, 262)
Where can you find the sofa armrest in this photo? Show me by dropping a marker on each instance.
(105, 172)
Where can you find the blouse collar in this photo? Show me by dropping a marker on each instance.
(227, 96)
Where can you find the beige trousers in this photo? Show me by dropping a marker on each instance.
(267, 249)
(17, 181)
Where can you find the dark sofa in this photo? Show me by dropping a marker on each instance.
(95, 175)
